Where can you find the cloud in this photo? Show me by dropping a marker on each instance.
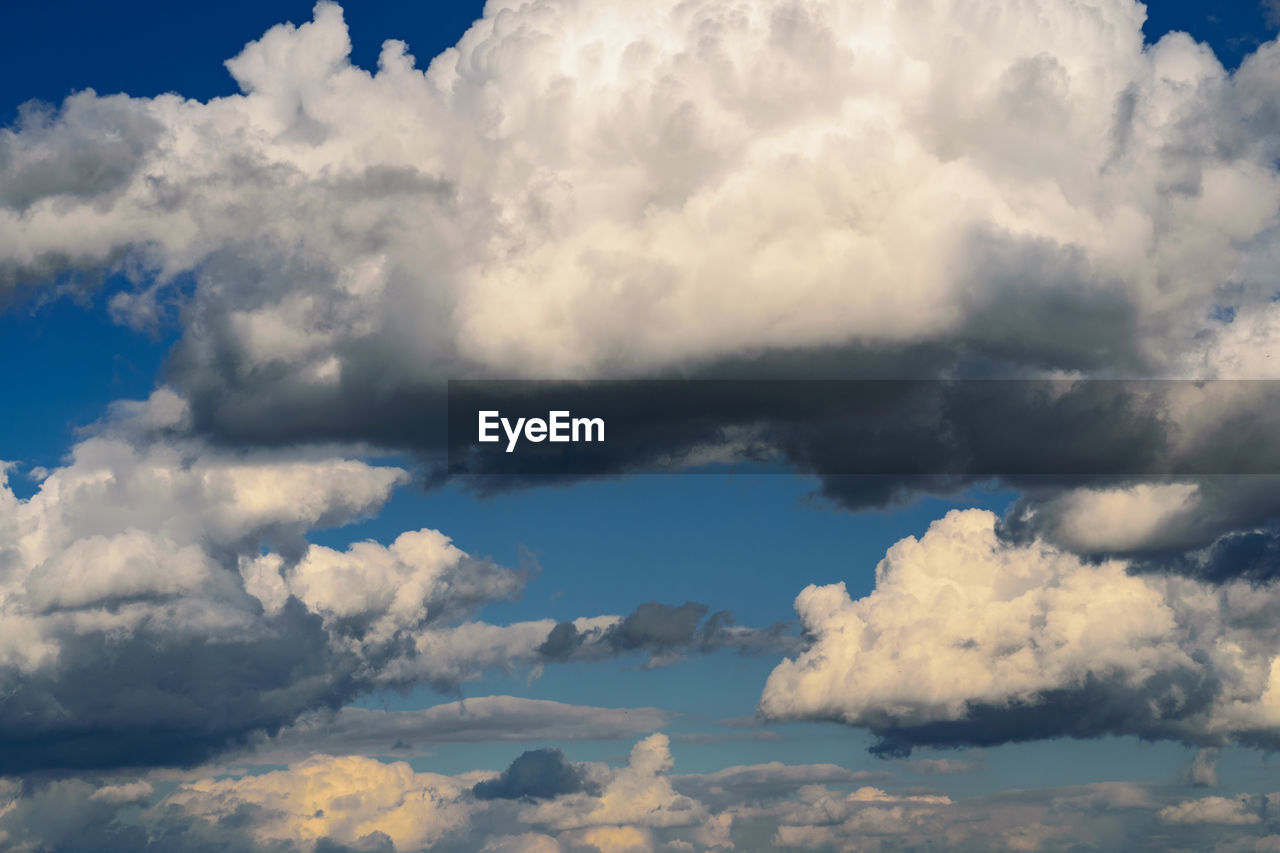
(968, 640)
(347, 799)
(1210, 810)
(940, 766)
(665, 632)
(639, 794)
(1201, 772)
(1175, 475)
(527, 842)
(820, 817)
(129, 792)
(149, 619)
(129, 634)
(742, 784)
(574, 189)
(536, 774)
(480, 719)
(1104, 816)
(325, 804)
(160, 603)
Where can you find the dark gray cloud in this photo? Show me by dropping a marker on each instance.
(153, 699)
(663, 630)
(537, 774)
(1084, 455)
(1170, 706)
(1252, 556)
(1215, 527)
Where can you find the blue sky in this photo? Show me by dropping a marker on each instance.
(272, 280)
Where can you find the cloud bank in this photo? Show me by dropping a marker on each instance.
(325, 804)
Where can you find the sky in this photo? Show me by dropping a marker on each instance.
(244, 603)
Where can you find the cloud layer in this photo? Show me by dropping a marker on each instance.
(326, 804)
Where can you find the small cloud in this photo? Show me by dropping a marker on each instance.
(1210, 810)
(1201, 771)
(940, 766)
(539, 774)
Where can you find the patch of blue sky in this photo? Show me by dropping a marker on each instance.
(64, 362)
(747, 543)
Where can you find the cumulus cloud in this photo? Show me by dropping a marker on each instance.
(639, 794)
(968, 640)
(448, 655)
(160, 602)
(526, 842)
(349, 799)
(575, 188)
(129, 635)
(146, 620)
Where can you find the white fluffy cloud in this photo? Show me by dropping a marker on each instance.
(968, 639)
(583, 188)
(124, 538)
